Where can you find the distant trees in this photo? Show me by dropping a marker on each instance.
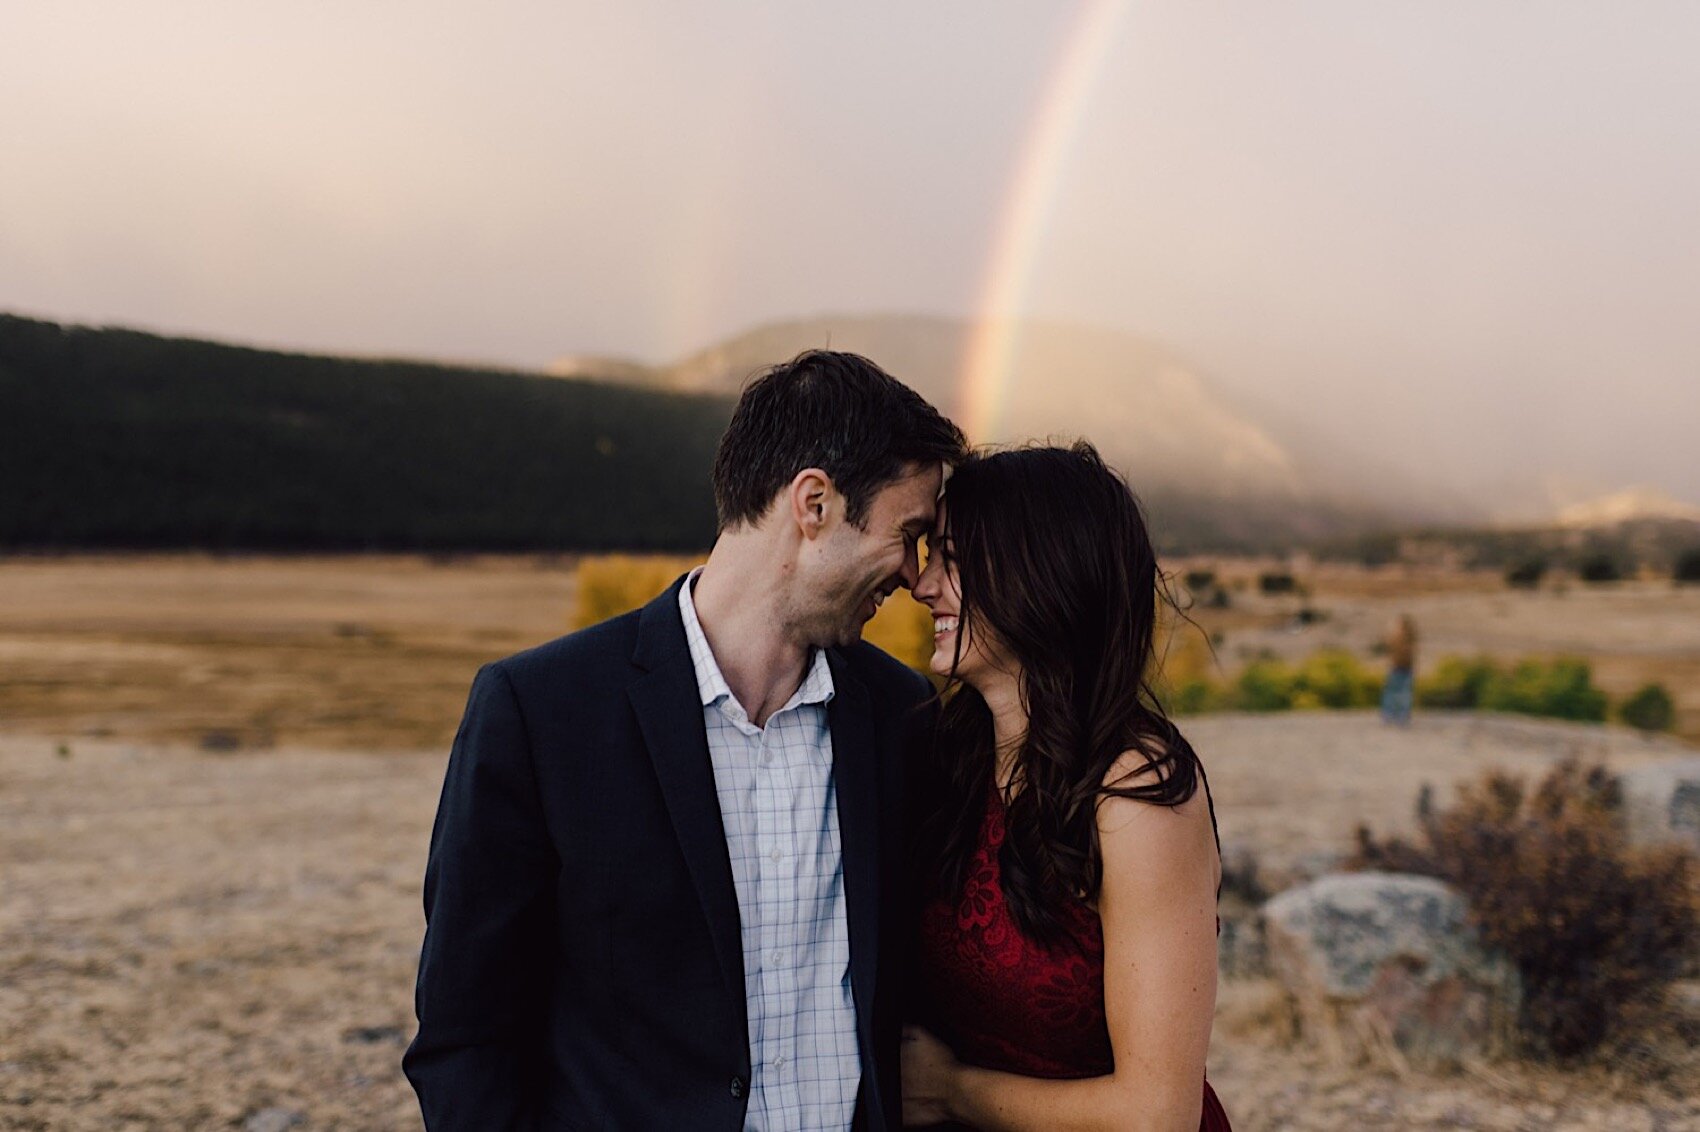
(1597, 568)
(112, 438)
(1526, 575)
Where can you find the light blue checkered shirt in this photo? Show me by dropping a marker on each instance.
(780, 813)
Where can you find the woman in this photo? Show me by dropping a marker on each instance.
(1066, 953)
(1396, 694)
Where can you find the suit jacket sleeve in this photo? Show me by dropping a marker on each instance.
(489, 906)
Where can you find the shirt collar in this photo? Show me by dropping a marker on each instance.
(816, 688)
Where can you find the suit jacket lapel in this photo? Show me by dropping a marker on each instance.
(669, 713)
(855, 767)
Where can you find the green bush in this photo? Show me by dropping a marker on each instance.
(1687, 568)
(1278, 582)
(1561, 689)
(1649, 709)
(1266, 684)
(1595, 927)
(1193, 697)
(1456, 682)
(1327, 679)
(1335, 679)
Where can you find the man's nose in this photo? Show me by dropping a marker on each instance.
(910, 574)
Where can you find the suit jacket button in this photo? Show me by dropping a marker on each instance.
(736, 1088)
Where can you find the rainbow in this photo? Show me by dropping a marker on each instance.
(987, 368)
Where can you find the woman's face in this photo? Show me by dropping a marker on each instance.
(955, 650)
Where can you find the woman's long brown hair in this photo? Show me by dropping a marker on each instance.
(1055, 563)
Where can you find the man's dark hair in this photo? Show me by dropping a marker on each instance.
(834, 411)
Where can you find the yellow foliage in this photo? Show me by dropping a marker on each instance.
(612, 584)
(903, 628)
(1183, 653)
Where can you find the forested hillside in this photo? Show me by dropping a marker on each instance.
(120, 439)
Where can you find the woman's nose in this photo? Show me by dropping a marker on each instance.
(926, 586)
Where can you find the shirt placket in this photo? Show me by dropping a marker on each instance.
(779, 942)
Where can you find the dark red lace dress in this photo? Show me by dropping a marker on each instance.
(1003, 1001)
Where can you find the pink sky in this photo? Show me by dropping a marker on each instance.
(1463, 235)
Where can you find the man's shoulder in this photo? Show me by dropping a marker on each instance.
(885, 675)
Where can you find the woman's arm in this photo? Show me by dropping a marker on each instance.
(1158, 906)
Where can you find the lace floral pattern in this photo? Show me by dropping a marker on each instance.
(1012, 1003)
(1007, 1002)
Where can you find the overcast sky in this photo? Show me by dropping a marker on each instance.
(1465, 235)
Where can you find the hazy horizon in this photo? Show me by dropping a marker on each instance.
(1463, 239)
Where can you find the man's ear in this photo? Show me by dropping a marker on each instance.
(812, 498)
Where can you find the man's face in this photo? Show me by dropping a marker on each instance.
(849, 571)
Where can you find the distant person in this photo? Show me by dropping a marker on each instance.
(659, 888)
(1398, 693)
(1064, 970)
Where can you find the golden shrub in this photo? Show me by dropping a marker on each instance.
(1597, 927)
(612, 584)
(904, 628)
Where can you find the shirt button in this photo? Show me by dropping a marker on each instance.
(776, 957)
(736, 1088)
(779, 1062)
(775, 856)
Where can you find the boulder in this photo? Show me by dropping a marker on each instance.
(1386, 967)
(1661, 803)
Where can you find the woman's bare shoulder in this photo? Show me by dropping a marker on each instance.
(1142, 769)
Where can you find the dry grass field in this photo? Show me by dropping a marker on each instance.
(217, 779)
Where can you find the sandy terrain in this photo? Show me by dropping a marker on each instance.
(188, 939)
(194, 936)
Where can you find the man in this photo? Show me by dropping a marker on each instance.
(662, 886)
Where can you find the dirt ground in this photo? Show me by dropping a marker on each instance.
(217, 780)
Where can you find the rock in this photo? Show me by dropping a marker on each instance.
(1661, 803)
(273, 1120)
(1387, 967)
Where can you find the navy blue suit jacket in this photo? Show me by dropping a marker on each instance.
(582, 965)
